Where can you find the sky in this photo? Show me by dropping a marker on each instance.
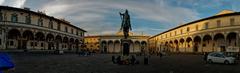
(148, 17)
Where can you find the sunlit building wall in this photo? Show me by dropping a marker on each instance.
(112, 43)
(23, 29)
(219, 32)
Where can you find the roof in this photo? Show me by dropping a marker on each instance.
(220, 14)
(40, 14)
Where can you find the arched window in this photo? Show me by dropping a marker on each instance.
(40, 21)
(28, 19)
(14, 17)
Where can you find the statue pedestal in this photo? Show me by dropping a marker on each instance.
(125, 44)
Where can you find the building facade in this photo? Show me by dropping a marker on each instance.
(23, 29)
(220, 32)
(92, 43)
(112, 43)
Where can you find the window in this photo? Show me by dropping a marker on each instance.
(66, 29)
(175, 32)
(59, 26)
(50, 24)
(41, 44)
(11, 43)
(206, 25)
(187, 29)
(196, 27)
(82, 34)
(232, 21)
(72, 31)
(218, 23)
(1, 16)
(181, 31)
(40, 21)
(28, 19)
(14, 17)
(76, 32)
(31, 43)
(36, 43)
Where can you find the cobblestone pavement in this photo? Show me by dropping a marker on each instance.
(101, 63)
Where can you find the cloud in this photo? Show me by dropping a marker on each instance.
(102, 17)
(1, 2)
(13, 3)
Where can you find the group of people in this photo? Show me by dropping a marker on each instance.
(129, 61)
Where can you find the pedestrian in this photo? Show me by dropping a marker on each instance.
(113, 59)
(205, 56)
(119, 60)
(133, 59)
(145, 60)
(160, 54)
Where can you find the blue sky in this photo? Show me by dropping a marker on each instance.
(149, 17)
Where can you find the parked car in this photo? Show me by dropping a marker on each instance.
(220, 57)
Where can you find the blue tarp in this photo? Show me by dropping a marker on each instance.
(5, 62)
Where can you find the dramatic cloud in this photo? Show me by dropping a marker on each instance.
(102, 16)
(147, 16)
(13, 3)
(1, 2)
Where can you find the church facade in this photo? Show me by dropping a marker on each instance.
(112, 43)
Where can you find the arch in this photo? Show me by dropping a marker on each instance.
(65, 39)
(104, 46)
(27, 42)
(137, 47)
(219, 42)
(170, 46)
(58, 40)
(27, 34)
(176, 45)
(181, 46)
(197, 42)
(70, 46)
(117, 46)
(39, 36)
(207, 37)
(189, 39)
(50, 39)
(207, 43)
(232, 39)
(14, 34)
(13, 39)
(110, 46)
(218, 36)
(181, 40)
(188, 44)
